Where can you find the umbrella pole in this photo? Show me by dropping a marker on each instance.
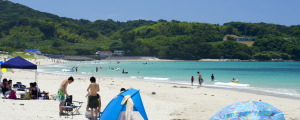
(36, 83)
(36, 76)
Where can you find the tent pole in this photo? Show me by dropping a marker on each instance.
(36, 76)
(37, 94)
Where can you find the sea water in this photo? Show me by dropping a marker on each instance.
(272, 77)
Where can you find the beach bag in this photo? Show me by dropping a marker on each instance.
(88, 114)
(12, 95)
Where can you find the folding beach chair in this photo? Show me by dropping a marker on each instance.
(71, 107)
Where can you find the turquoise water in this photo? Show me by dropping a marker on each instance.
(274, 77)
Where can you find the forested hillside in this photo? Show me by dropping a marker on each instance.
(24, 28)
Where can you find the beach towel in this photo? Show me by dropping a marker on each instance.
(27, 96)
(129, 108)
(12, 95)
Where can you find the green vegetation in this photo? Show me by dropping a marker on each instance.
(23, 55)
(24, 28)
(248, 43)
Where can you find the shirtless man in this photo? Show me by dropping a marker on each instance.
(93, 102)
(62, 91)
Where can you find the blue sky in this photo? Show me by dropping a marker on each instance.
(283, 12)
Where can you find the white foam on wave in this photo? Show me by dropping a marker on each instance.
(133, 77)
(290, 92)
(100, 63)
(58, 66)
(230, 84)
(86, 73)
(156, 78)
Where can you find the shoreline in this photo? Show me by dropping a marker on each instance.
(284, 92)
(258, 92)
(149, 58)
(270, 92)
(143, 58)
(185, 85)
(183, 102)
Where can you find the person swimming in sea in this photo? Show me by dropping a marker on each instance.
(234, 80)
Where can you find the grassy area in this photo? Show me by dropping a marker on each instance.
(248, 43)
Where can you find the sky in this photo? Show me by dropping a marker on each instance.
(283, 12)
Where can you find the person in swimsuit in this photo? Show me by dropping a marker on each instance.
(212, 77)
(192, 80)
(33, 91)
(3, 86)
(62, 91)
(8, 87)
(93, 101)
(200, 79)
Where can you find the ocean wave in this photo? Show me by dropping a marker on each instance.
(230, 84)
(156, 78)
(289, 92)
(86, 73)
(133, 77)
(56, 66)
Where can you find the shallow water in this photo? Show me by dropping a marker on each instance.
(271, 77)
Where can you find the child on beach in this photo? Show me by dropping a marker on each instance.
(93, 101)
(192, 80)
(122, 90)
(88, 112)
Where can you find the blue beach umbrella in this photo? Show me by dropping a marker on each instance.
(249, 110)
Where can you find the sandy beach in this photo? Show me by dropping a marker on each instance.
(171, 101)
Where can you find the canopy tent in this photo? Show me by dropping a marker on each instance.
(114, 109)
(20, 63)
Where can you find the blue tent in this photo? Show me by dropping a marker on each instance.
(114, 108)
(18, 62)
(33, 51)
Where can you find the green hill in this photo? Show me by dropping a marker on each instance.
(24, 28)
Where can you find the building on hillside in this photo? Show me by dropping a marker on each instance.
(33, 51)
(243, 39)
(237, 38)
(229, 35)
(104, 53)
(119, 52)
(290, 39)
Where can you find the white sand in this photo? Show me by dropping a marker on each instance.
(171, 102)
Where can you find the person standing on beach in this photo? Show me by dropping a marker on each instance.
(200, 79)
(62, 92)
(212, 77)
(192, 80)
(93, 102)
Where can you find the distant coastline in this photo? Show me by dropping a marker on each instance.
(238, 60)
(149, 58)
(144, 58)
